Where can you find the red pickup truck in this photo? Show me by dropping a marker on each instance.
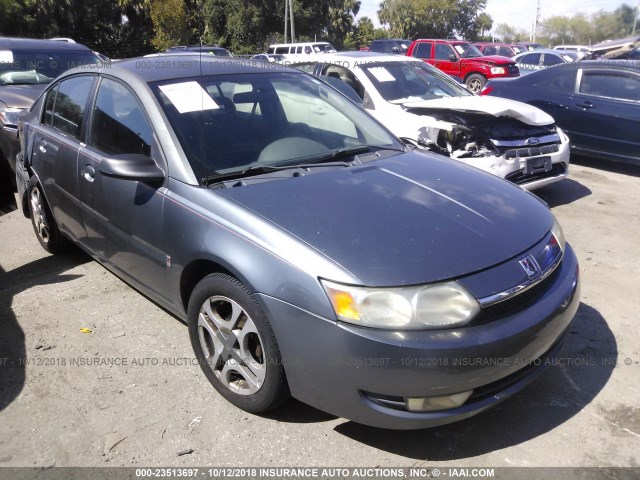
(462, 60)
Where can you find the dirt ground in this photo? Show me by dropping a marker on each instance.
(63, 404)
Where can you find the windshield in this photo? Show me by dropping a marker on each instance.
(230, 123)
(404, 82)
(466, 50)
(37, 67)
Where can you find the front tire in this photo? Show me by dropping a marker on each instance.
(44, 225)
(475, 82)
(235, 345)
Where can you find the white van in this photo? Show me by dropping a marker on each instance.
(305, 48)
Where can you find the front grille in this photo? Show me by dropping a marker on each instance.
(515, 303)
(520, 178)
(531, 151)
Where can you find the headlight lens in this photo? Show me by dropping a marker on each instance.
(9, 116)
(498, 70)
(442, 305)
(558, 234)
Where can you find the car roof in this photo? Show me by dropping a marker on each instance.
(360, 57)
(183, 48)
(443, 40)
(588, 64)
(498, 44)
(540, 50)
(16, 44)
(187, 65)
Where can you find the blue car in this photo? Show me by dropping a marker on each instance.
(311, 253)
(595, 102)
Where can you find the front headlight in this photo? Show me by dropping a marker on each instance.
(9, 116)
(498, 70)
(442, 305)
(558, 234)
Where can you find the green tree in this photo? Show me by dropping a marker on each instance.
(509, 34)
(365, 32)
(340, 15)
(433, 18)
(169, 19)
(484, 24)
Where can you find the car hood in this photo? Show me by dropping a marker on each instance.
(493, 59)
(414, 218)
(20, 96)
(496, 106)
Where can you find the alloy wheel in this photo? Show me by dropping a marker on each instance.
(231, 345)
(39, 215)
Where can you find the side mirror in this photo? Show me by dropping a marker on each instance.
(395, 50)
(130, 166)
(453, 58)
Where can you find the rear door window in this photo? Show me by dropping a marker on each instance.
(609, 84)
(70, 103)
(550, 59)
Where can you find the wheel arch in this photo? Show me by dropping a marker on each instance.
(196, 270)
(475, 72)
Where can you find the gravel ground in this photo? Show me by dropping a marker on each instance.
(62, 404)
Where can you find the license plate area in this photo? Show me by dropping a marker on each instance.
(537, 165)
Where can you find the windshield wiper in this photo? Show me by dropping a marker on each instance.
(260, 169)
(346, 152)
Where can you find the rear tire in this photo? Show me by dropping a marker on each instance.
(235, 345)
(475, 82)
(44, 225)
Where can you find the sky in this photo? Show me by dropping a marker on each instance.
(520, 13)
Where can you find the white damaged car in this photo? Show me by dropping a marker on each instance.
(426, 107)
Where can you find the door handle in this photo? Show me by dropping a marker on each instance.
(43, 146)
(89, 173)
(586, 105)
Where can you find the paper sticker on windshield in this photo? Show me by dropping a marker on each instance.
(382, 74)
(189, 97)
(6, 56)
(459, 49)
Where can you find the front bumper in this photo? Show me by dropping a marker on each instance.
(513, 169)
(360, 373)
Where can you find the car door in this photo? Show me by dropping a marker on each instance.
(552, 91)
(446, 59)
(57, 142)
(123, 217)
(606, 108)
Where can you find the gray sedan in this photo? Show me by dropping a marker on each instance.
(310, 252)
